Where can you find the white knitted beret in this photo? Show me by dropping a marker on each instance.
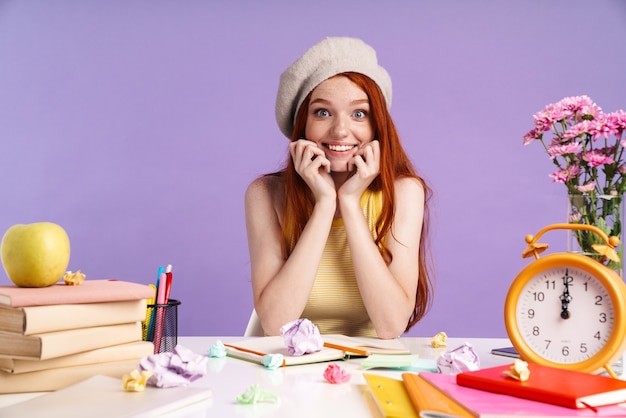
(328, 58)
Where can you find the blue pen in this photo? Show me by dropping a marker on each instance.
(159, 272)
(151, 328)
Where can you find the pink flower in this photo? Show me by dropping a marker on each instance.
(579, 105)
(604, 126)
(531, 136)
(334, 373)
(575, 103)
(619, 119)
(565, 174)
(578, 129)
(596, 158)
(587, 187)
(545, 118)
(569, 108)
(568, 148)
(574, 218)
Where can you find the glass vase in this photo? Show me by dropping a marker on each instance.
(605, 212)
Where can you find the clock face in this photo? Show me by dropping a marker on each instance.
(564, 314)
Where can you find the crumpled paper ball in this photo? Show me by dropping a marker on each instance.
(301, 337)
(217, 350)
(518, 371)
(334, 373)
(254, 394)
(178, 368)
(74, 279)
(272, 361)
(135, 381)
(439, 340)
(460, 359)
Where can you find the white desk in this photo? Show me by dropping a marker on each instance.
(302, 390)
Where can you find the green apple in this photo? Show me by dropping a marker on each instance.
(35, 255)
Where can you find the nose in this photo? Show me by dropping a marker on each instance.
(339, 128)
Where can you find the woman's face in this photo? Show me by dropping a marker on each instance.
(339, 120)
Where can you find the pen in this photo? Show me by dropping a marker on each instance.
(159, 273)
(152, 321)
(247, 350)
(168, 282)
(352, 350)
(160, 314)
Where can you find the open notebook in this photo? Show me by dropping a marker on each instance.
(336, 347)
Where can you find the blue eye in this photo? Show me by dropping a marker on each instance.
(321, 112)
(360, 114)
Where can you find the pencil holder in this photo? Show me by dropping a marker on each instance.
(163, 329)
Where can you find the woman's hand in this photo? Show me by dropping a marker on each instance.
(313, 166)
(365, 167)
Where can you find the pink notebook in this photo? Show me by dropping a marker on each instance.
(90, 291)
(488, 403)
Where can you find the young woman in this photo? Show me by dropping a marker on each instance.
(338, 235)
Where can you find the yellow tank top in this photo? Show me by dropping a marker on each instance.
(335, 303)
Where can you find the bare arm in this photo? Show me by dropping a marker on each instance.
(388, 292)
(280, 286)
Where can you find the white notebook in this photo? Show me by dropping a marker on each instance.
(104, 396)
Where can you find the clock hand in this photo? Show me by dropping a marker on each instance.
(566, 298)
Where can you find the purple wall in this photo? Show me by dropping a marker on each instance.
(138, 125)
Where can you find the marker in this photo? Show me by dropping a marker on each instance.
(159, 273)
(168, 282)
(160, 315)
(152, 314)
(148, 321)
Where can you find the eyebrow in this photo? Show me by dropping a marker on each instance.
(326, 102)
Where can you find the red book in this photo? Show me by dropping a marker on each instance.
(489, 404)
(90, 291)
(568, 388)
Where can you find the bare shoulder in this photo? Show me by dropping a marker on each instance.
(409, 188)
(265, 191)
(265, 185)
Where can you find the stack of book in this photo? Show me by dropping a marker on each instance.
(55, 336)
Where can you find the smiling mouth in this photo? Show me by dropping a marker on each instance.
(340, 148)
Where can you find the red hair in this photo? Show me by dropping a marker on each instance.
(394, 163)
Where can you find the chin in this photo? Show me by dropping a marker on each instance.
(339, 168)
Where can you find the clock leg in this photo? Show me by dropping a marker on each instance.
(619, 367)
(610, 371)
